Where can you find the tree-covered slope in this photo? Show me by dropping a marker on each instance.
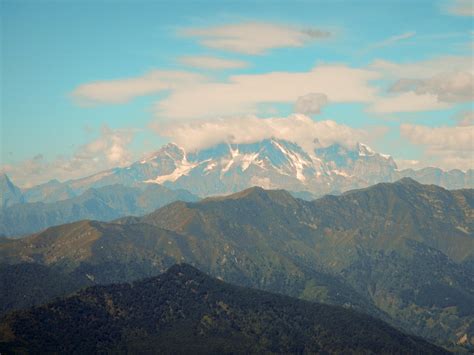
(402, 252)
(184, 311)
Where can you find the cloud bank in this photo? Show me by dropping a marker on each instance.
(242, 94)
(298, 128)
(195, 96)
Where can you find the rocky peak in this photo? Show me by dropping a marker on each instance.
(9, 193)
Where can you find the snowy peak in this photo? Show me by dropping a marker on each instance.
(270, 163)
(337, 156)
(227, 168)
(364, 151)
(292, 160)
(181, 167)
(170, 152)
(284, 157)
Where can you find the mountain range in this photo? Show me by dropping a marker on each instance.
(402, 252)
(271, 164)
(227, 168)
(186, 311)
(221, 169)
(103, 203)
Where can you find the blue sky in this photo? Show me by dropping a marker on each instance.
(93, 84)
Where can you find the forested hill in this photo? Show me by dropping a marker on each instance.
(186, 311)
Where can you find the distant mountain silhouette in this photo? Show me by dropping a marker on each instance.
(104, 204)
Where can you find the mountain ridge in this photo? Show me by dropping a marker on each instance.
(105, 203)
(270, 163)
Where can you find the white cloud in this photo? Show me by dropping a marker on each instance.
(207, 62)
(110, 147)
(254, 37)
(123, 90)
(310, 104)
(108, 150)
(447, 147)
(407, 102)
(242, 94)
(195, 96)
(297, 128)
(462, 8)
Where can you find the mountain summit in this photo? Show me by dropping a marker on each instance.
(270, 163)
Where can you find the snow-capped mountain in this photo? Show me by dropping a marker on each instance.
(270, 163)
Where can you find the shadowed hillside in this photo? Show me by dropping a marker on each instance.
(186, 311)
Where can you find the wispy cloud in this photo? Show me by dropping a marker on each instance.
(123, 90)
(394, 39)
(254, 37)
(215, 63)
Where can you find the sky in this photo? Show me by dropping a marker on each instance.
(90, 85)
